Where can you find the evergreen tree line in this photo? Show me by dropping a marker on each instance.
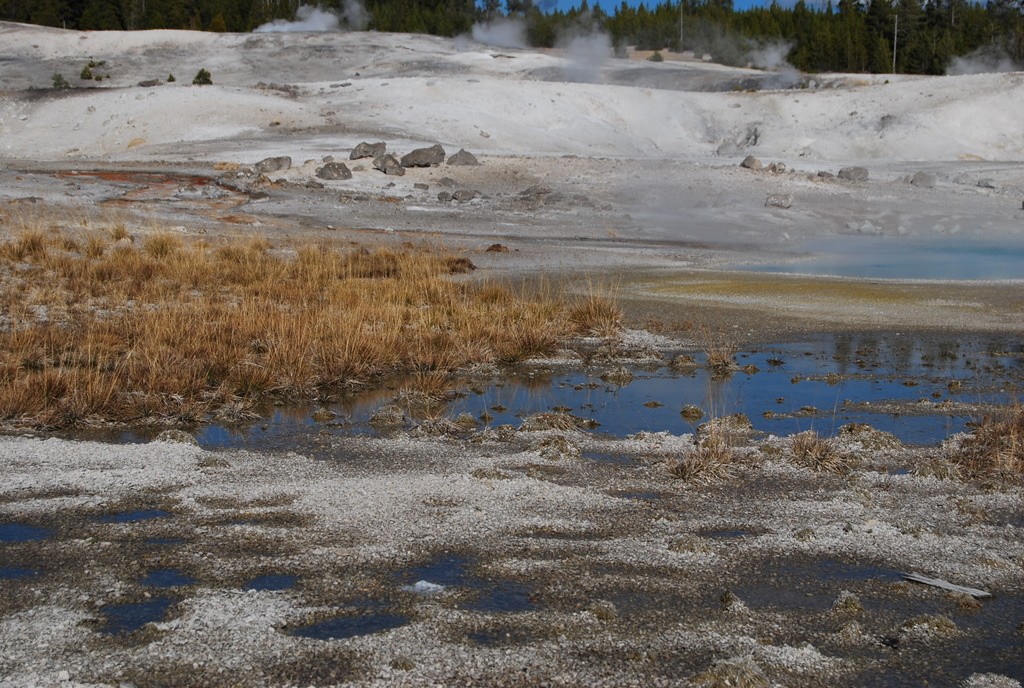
(880, 36)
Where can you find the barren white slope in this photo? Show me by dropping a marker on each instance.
(425, 89)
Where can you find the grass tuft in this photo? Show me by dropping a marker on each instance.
(818, 453)
(994, 449)
(711, 461)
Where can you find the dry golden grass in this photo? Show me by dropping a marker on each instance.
(994, 448)
(720, 350)
(96, 327)
(818, 453)
(711, 461)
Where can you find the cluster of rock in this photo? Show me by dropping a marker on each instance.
(391, 165)
(253, 180)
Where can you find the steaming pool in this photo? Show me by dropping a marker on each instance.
(944, 258)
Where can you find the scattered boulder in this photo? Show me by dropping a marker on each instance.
(444, 196)
(421, 186)
(388, 164)
(368, 150)
(779, 201)
(463, 195)
(751, 163)
(463, 157)
(854, 174)
(987, 183)
(497, 248)
(149, 83)
(424, 157)
(268, 165)
(447, 182)
(825, 174)
(925, 180)
(334, 171)
(727, 149)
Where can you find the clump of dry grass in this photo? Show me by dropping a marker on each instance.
(811, 450)
(720, 350)
(95, 327)
(712, 460)
(736, 672)
(994, 449)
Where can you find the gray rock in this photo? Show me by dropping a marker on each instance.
(465, 195)
(424, 157)
(268, 165)
(463, 157)
(368, 150)
(854, 174)
(421, 186)
(444, 196)
(388, 164)
(149, 83)
(334, 171)
(751, 163)
(825, 174)
(447, 182)
(779, 201)
(988, 183)
(727, 149)
(925, 180)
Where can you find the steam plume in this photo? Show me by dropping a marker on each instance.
(353, 16)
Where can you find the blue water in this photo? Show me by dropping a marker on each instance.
(17, 532)
(134, 516)
(272, 582)
(125, 618)
(940, 258)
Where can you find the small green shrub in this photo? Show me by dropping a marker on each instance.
(656, 57)
(86, 74)
(202, 78)
(171, 79)
(60, 82)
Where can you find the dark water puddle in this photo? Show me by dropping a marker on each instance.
(134, 516)
(17, 532)
(272, 582)
(167, 578)
(810, 586)
(830, 569)
(14, 572)
(126, 618)
(728, 534)
(488, 595)
(644, 496)
(612, 459)
(351, 626)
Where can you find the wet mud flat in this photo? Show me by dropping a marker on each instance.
(490, 559)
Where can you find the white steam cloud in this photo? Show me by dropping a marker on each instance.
(353, 16)
(586, 51)
(981, 62)
(772, 58)
(501, 33)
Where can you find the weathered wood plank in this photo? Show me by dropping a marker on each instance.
(945, 585)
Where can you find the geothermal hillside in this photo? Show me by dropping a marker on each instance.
(501, 101)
